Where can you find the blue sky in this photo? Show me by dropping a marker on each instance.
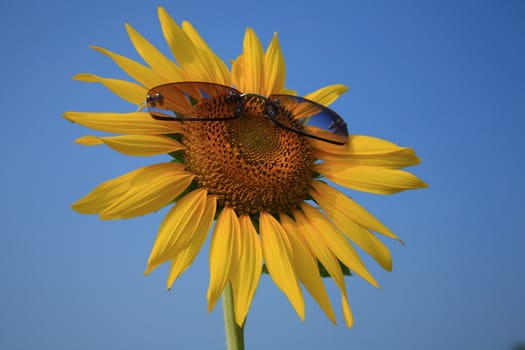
(445, 78)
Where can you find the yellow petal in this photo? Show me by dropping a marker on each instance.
(329, 197)
(327, 94)
(278, 255)
(347, 313)
(253, 63)
(319, 248)
(197, 61)
(104, 194)
(142, 145)
(371, 179)
(221, 73)
(337, 243)
(274, 68)
(134, 145)
(185, 258)
(238, 72)
(322, 252)
(154, 187)
(394, 160)
(124, 123)
(144, 75)
(246, 279)
(365, 150)
(224, 253)
(160, 64)
(183, 49)
(307, 268)
(177, 228)
(289, 91)
(361, 145)
(338, 208)
(89, 140)
(127, 90)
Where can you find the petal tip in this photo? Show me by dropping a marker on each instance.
(149, 269)
(86, 77)
(75, 207)
(129, 28)
(67, 116)
(162, 13)
(77, 76)
(89, 140)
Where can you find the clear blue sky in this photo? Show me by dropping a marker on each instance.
(444, 77)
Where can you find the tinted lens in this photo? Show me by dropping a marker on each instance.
(176, 101)
(317, 121)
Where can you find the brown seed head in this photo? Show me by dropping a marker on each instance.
(249, 163)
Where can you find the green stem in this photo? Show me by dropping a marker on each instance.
(234, 333)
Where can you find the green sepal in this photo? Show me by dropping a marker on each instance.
(322, 271)
(178, 156)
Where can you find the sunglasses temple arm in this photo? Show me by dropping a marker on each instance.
(142, 106)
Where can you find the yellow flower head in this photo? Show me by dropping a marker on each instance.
(260, 175)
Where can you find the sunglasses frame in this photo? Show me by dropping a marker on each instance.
(272, 102)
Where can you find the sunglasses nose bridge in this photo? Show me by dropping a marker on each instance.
(155, 98)
(251, 94)
(268, 103)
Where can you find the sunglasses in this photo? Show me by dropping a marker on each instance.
(176, 102)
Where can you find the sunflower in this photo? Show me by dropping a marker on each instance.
(265, 186)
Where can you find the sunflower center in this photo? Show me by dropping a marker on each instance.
(249, 163)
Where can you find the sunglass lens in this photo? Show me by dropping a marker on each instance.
(175, 101)
(316, 120)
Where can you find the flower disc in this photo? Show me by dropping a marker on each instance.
(250, 163)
